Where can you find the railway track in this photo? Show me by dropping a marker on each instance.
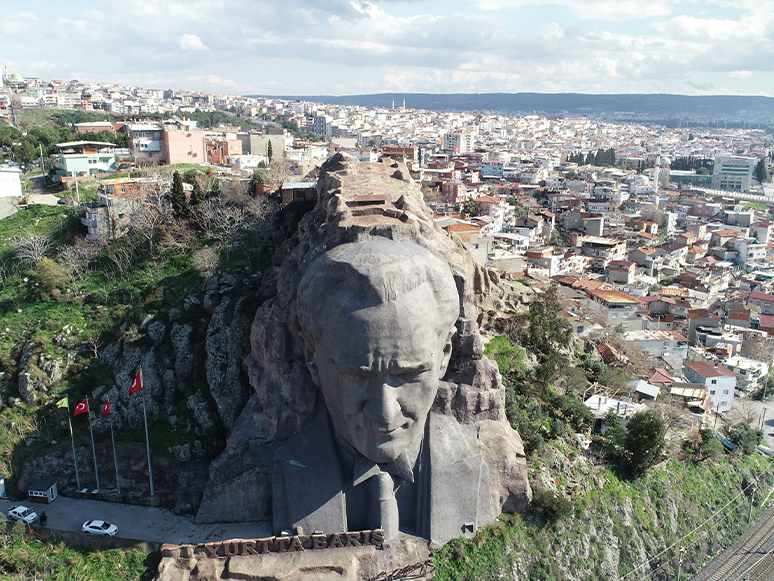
(763, 570)
(747, 562)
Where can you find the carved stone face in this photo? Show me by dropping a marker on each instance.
(379, 369)
(376, 320)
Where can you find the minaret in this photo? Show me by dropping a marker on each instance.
(393, 103)
(658, 161)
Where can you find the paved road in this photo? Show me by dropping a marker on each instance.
(141, 522)
(756, 408)
(39, 194)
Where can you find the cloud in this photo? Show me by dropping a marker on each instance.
(353, 46)
(191, 42)
(606, 10)
(18, 24)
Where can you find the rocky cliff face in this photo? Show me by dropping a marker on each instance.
(194, 388)
(284, 396)
(213, 366)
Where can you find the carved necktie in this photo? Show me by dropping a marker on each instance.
(382, 479)
(383, 500)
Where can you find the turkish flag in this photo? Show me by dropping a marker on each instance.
(105, 409)
(137, 383)
(81, 408)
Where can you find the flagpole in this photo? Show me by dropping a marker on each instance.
(115, 458)
(72, 439)
(93, 447)
(147, 439)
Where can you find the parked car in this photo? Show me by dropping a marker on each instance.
(22, 513)
(99, 527)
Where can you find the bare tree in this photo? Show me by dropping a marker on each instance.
(744, 410)
(121, 257)
(31, 248)
(149, 216)
(92, 344)
(595, 313)
(235, 192)
(76, 258)
(4, 270)
(279, 172)
(176, 236)
(758, 348)
(220, 220)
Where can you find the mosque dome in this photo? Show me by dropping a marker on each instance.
(16, 78)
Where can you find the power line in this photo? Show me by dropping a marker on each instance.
(711, 517)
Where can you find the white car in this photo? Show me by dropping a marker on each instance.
(99, 527)
(22, 513)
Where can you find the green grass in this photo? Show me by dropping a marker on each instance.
(24, 557)
(756, 205)
(666, 506)
(509, 357)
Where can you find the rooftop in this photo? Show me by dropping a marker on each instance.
(710, 369)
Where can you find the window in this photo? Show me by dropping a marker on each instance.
(712, 392)
(725, 392)
(714, 381)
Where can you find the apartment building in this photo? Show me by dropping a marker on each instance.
(733, 172)
(719, 380)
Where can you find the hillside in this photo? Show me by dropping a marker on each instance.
(79, 319)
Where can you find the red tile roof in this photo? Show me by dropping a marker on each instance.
(710, 369)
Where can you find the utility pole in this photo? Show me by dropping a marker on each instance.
(681, 556)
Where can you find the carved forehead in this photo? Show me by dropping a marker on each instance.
(353, 277)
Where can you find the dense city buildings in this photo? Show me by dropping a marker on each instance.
(665, 235)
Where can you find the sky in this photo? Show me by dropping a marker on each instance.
(344, 47)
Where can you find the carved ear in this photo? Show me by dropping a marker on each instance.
(447, 351)
(308, 351)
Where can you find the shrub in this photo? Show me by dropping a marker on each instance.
(614, 441)
(50, 275)
(205, 261)
(710, 446)
(575, 412)
(549, 505)
(509, 357)
(558, 428)
(745, 437)
(645, 440)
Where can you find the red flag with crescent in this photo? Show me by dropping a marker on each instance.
(137, 383)
(81, 408)
(105, 409)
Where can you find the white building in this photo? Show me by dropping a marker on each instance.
(751, 372)
(10, 190)
(458, 142)
(719, 380)
(733, 172)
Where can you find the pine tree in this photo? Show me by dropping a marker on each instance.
(179, 204)
(269, 151)
(197, 196)
(761, 174)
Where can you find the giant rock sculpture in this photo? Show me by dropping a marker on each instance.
(374, 406)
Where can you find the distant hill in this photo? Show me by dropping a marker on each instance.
(672, 109)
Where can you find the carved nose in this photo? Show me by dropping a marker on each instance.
(382, 407)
